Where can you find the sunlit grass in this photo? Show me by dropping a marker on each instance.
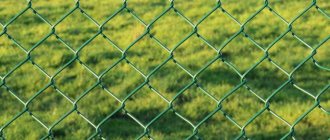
(193, 54)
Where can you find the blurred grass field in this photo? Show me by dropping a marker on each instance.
(218, 79)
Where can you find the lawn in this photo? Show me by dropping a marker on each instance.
(146, 69)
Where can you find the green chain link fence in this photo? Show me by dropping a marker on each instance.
(171, 56)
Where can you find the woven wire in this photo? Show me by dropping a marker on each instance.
(170, 57)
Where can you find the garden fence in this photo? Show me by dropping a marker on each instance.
(171, 57)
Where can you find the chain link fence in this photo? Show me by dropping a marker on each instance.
(123, 51)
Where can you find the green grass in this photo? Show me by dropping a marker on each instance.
(193, 54)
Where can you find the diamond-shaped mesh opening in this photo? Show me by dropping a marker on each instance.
(9, 8)
(271, 76)
(49, 106)
(243, 11)
(51, 55)
(220, 24)
(169, 126)
(312, 27)
(10, 106)
(290, 48)
(30, 84)
(93, 8)
(271, 126)
(10, 55)
(51, 10)
(315, 125)
(122, 80)
(99, 54)
(194, 104)
(218, 79)
(121, 126)
(149, 105)
(316, 81)
(146, 9)
(73, 127)
(97, 105)
(322, 55)
(76, 29)
(289, 9)
(170, 29)
(146, 55)
(194, 9)
(123, 29)
(193, 54)
(34, 28)
(290, 103)
(241, 47)
(260, 30)
(241, 105)
(19, 131)
(169, 80)
(218, 125)
(74, 80)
